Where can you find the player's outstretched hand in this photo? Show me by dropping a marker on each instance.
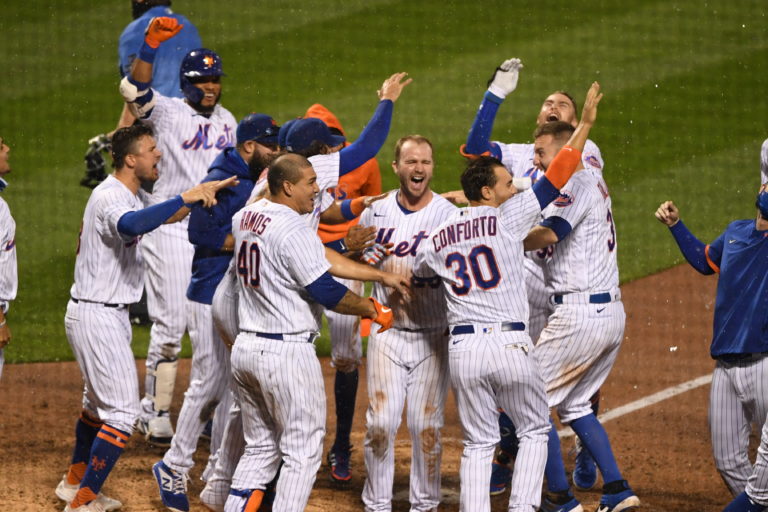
(668, 213)
(589, 112)
(456, 197)
(161, 29)
(369, 200)
(206, 192)
(393, 86)
(504, 79)
(398, 282)
(359, 238)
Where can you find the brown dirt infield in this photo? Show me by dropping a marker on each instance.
(663, 450)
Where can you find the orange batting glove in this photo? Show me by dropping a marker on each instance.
(161, 29)
(383, 317)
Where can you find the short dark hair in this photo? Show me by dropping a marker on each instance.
(478, 174)
(139, 8)
(285, 168)
(560, 130)
(573, 101)
(124, 142)
(316, 148)
(418, 139)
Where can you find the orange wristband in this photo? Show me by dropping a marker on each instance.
(563, 166)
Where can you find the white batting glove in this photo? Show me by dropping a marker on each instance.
(504, 79)
(374, 254)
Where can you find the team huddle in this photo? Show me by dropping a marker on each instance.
(244, 234)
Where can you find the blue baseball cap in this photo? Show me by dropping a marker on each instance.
(258, 127)
(306, 131)
(283, 135)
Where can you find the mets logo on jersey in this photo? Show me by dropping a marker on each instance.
(563, 200)
(208, 61)
(593, 161)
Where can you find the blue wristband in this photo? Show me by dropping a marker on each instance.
(147, 53)
(346, 209)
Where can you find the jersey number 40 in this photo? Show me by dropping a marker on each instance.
(249, 263)
(484, 276)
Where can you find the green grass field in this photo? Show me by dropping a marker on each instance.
(683, 116)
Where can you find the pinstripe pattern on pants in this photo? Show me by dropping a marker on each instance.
(281, 392)
(412, 365)
(100, 338)
(738, 397)
(208, 381)
(489, 371)
(576, 351)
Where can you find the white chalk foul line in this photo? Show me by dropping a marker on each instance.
(644, 402)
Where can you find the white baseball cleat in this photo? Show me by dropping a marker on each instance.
(66, 492)
(157, 430)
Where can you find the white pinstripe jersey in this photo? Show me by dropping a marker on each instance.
(327, 169)
(189, 143)
(478, 254)
(408, 231)
(585, 260)
(764, 163)
(9, 278)
(277, 255)
(108, 267)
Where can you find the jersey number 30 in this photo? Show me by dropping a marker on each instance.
(249, 263)
(485, 278)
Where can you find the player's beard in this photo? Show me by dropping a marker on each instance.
(260, 162)
(205, 110)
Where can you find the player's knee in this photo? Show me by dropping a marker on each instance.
(378, 439)
(345, 364)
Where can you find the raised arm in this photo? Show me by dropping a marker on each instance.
(375, 132)
(503, 82)
(694, 250)
(135, 88)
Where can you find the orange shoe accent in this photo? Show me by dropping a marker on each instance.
(254, 501)
(84, 496)
(115, 432)
(76, 472)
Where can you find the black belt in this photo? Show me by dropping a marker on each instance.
(735, 358)
(205, 252)
(279, 337)
(105, 304)
(597, 298)
(470, 329)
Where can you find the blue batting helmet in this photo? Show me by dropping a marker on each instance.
(197, 63)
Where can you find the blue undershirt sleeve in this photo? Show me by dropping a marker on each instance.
(559, 225)
(326, 291)
(692, 248)
(479, 137)
(545, 191)
(370, 141)
(133, 224)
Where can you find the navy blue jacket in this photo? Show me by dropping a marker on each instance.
(208, 227)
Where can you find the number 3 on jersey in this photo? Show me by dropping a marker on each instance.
(485, 276)
(249, 263)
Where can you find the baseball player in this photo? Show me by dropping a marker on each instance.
(346, 343)
(283, 284)
(764, 162)
(579, 345)
(410, 360)
(9, 279)
(210, 231)
(518, 159)
(108, 276)
(191, 133)
(739, 345)
(478, 256)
